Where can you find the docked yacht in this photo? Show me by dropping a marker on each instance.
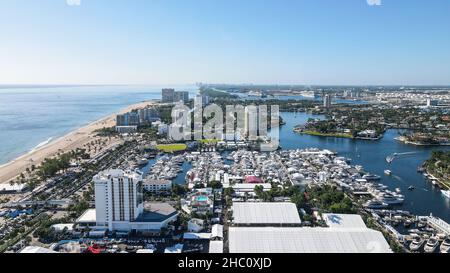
(431, 245)
(371, 177)
(446, 193)
(445, 246)
(142, 161)
(375, 204)
(416, 244)
(391, 199)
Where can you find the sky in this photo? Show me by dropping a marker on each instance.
(323, 42)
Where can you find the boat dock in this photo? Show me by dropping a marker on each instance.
(439, 224)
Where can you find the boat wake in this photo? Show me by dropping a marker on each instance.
(398, 178)
(42, 144)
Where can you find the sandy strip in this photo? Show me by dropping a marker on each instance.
(71, 141)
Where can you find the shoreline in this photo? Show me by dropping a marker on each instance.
(430, 177)
(72, 140)
(405, 141)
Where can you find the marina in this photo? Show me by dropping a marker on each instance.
(421, 196)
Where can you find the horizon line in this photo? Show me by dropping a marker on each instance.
(49, 85)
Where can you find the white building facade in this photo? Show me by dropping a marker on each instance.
(118, 198)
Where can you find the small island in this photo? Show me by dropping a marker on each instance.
(332, 128)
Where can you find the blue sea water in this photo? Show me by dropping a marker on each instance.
(32, 117)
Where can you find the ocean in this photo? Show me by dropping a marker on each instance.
(32, 117)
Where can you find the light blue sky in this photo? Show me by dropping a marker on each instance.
(225, 41)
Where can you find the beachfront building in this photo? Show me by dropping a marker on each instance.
(168, 95)
(140, 117)
(119, 204)
(126, 129)
(148, 115)
(181, 96)
(128, 119)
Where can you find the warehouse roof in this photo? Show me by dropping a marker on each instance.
(89, 216)
(36, 249)
(265, 213)
(216, 247)
(306, 240)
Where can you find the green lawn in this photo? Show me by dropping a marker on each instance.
(170, 148)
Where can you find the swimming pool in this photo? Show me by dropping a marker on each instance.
(202, 198)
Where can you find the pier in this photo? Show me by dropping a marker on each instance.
(439, 224)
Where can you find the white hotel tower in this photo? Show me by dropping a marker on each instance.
(118, 198)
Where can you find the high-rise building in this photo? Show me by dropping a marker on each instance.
(128, 119)
(327, 101)
(168, 95)
(118, 198)
(119, 205)
(251, 122)
(204, 99)
(181, 96)
(148, 115)
(431, 102)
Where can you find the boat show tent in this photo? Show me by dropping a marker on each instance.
(306, 240)
(343, 220)
(216, 247)
(36, 249)
(248, 213)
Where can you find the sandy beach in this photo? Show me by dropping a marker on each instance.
(71, 141)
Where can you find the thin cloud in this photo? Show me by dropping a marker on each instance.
(374, 2)
(73, 2)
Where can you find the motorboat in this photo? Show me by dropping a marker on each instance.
(375, 204)
(388, 172)
(391, 199)
(407, 223)
(431, 245)
(411, 188)
(445, 246)
(371, 177)
(446, 193)
(142, 161)
(416, 244)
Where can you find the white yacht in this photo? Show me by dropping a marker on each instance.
(391, 199)
(374, 204)
(371, 177)
(445, 246)
(431, 245)
(416, 244)
(446, 193)
(142, 161)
